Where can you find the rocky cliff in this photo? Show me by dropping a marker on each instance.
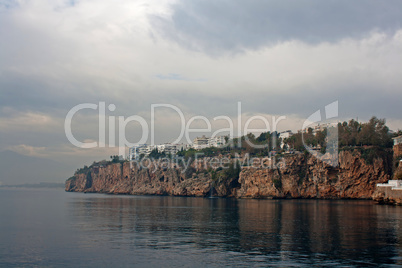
(388, 194)
(300, 176)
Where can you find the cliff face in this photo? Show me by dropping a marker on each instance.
(398, 150)
(300, 177)
(126, 179)
(388, 195)
(307, 177)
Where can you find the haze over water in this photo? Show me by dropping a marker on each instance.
(54, 228)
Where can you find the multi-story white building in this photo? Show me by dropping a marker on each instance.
(320, 127)
(172, 149)
(200, 143)
(168, 148)
(315, 128)
(204, 142)
(216, 141)
(137, 150)
(143, 149)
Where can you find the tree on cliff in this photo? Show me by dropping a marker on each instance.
(375, 132)
(372, 133)
(352, 133)
(233, 171)
(116, 159)
(156, 154)
(398, 133)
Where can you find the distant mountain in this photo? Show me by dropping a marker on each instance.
(19, 169)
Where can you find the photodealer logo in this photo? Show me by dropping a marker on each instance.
(331, 153)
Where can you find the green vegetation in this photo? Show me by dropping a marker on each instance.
(350, 134)
(228, 175)
(372, 133)
(190, 153)
(189, 172)
(302, 174)
(113, 160)
(372, 139)
(258, 146)
(233, 171)
(83, 170)
(369, 154)
(246, 144)
(156, 154)
(277, 183)
(116, 159)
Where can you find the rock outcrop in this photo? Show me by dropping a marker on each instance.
(388, 196)
(300, 176)
(123, 178)
(307, 177)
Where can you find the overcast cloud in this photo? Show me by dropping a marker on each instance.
(287, 58)
(235, 25)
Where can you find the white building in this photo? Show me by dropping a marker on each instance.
(168, 148)
(182, 146)
(150, 148)
(397, 140)
(394, 184)
(216, 141)
(143, 149)
(320, 127)
(284, 135)
(316, 128)
(172, 149)
(137, 150)
(200, 143)
(204, 142)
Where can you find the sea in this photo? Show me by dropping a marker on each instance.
(53, 228)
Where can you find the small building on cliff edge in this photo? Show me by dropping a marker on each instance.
(394, 184)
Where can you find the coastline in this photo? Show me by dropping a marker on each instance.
(303, 177)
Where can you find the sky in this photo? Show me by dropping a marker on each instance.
(275, 58)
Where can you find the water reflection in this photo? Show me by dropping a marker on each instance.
(283, 232)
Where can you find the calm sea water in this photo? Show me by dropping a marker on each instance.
(51, 228)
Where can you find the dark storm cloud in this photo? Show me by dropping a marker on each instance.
(234, 25)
